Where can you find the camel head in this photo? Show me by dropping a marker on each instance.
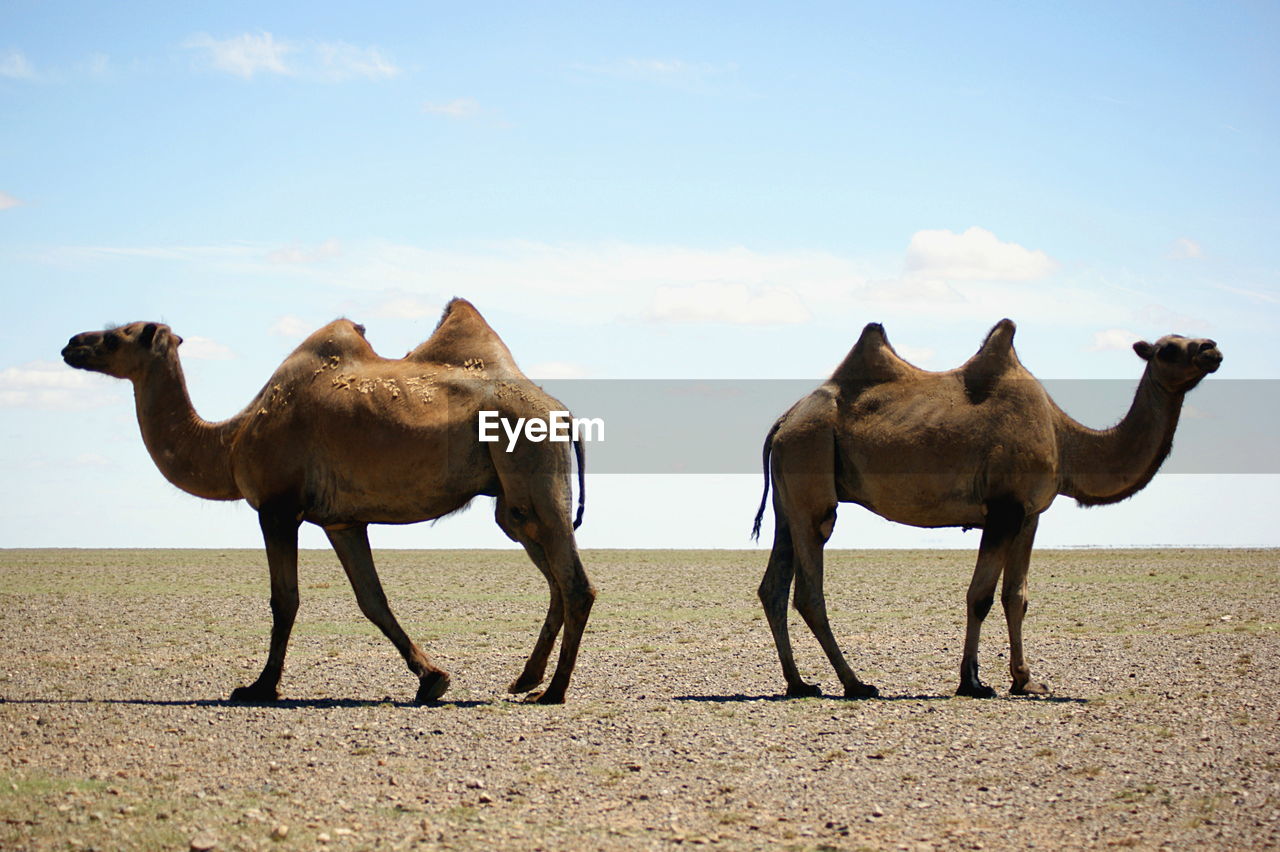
(1178, 363)
(123, 352)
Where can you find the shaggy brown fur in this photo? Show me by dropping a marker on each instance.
(343, 438)
(979, 446)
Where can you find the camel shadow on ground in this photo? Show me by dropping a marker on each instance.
(282, 704)
(740, 698)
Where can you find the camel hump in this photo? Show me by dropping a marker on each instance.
(872, 360)
(341, 338)
(995, 359)
(462, 337)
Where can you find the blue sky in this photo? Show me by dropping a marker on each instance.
(636, 191)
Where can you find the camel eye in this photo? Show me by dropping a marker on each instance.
(1168, 353)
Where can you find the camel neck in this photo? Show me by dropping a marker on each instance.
(1109, 465)
(192, 453)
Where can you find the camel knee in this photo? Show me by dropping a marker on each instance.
(826, 526)
(1015, 603)
(981, 605)
(284, 605)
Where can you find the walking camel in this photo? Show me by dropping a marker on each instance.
(982, 445)
(343, 438)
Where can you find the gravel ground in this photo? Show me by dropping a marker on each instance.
(1164, 729)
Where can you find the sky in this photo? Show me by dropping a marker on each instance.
(706, 192)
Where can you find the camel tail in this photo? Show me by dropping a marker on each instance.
(580, 453)
(764, 498)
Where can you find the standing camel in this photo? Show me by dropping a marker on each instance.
(343, 438)
(979, 446)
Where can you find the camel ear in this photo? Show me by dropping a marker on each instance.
(1144, 349)
(148, 335)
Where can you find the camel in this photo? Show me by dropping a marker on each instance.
(342, 438)
(980, 446)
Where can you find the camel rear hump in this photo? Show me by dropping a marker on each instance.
(463, 337)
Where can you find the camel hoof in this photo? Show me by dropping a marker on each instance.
(431, 686)
(546, 697)
(976, 690)
(523, 684)
(858, 690)
(803, 690)
(254, 694)
(1030, 689)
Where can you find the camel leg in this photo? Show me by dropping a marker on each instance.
(1003, 525)
(811, 600)
(1013, 595)
(545, 528)
(280, 533)
(536, 666)
(577, 596)
(352, 546)
(773, 592)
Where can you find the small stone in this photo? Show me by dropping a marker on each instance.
(323, 837)
(280, 832)
(203, 842)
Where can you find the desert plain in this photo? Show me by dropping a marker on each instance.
(115, 730)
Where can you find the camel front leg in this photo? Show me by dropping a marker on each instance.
(1013, 595)
(774, 590)
(1003, 524)
(352, 546)
(280, 534)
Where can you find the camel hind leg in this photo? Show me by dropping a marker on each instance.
(774, 590)
(811, 599)
(804, 500)
(351, 543)
(541, 523)
(535, 667)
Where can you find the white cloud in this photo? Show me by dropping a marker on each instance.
(1185, 248)
(14, 64)
(248, 54)
(738, 304)
(548, 370)
(668, 72)
(98, 64)
(1174, 322)
(399, 305)
(299, 255)
(205, 349)
(243, 55)
(975, 255)
(52, 385)
(292, 327)
(918, 355)
(1256, 296)
(8, 202)
(1113, 339)
(456, 108)
(341, 61)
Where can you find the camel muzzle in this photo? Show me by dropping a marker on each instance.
(77, 356)
(1208, 360)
